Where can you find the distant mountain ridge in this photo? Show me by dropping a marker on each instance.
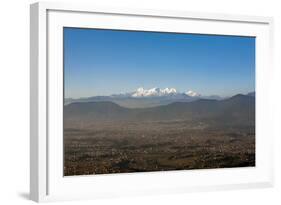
(253, 94)
(239, 109)
(144, 98)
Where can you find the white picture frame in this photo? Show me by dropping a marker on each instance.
(46, 178)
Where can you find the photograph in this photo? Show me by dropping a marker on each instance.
(144, 101)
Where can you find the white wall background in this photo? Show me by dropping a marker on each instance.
(14, 102)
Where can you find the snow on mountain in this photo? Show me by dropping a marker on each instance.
(192, 93)
(141, 92)
(156, 92)
(169, 91)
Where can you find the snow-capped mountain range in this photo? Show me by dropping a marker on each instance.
(158, 92)
(142, 98)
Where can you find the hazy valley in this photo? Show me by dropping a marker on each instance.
(185, 132)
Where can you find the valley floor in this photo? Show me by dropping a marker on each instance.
(105, 148)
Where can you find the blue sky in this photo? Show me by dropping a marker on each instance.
(104, 62)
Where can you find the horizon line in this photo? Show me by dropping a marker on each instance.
(124, 93)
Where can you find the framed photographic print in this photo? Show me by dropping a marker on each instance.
(128, 101)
